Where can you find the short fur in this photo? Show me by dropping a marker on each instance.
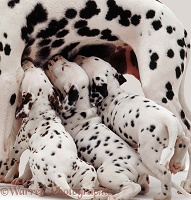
(118, 166)
(53, 155)
(42, 28)
(141, 122)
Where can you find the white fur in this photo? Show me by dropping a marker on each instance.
(119, 168)
(139, 121)
(53, 157)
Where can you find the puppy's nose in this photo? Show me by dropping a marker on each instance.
(54, 59)
(50, 63)
(26, 64)
(80, 59)
(64, 60)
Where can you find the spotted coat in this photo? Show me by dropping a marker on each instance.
(53, 158)
(141, 122)
(80, 25)
(119, 167)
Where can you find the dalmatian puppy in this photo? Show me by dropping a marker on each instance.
(53, 155)
(119, 167)
(40, 33)
(142, 123)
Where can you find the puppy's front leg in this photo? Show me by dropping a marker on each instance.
(11, 166)
(27, 175)
(11, 174)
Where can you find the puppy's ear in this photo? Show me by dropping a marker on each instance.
(121, 79)
(55, 101)
(71, 98)
(98, 90)
(26, 105)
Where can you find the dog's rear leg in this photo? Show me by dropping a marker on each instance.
(27, 176)
(177, 160)
(119, 180)
(9, 87)
(160, 172)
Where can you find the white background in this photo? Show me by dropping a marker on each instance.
(182, 10)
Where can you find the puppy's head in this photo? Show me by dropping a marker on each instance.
(64, 74)
(35, 86)
(100, 73)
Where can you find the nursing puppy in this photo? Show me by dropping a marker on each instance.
(118, 166)
(142, 123)
(53, 155)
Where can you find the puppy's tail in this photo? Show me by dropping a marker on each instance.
(60, 181)
(180, 189)
(174, 129)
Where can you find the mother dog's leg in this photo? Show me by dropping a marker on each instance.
(161, 45)
(11, 75)
(161, 73)
(9, 87)
(13, 35)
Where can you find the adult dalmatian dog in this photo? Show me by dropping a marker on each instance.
(54, 163)
(141, 122)
(119, 167)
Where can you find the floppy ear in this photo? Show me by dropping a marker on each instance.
(98, 90)
(26, 105)
(55, 101)
(71, 98)
(121, 79)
